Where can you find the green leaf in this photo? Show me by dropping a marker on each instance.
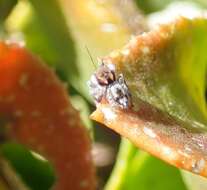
(194, 182)
(165, 70)
(5, 8)
(120, 172)
(34, 171)
(148, 172)
(150, 6)
(137, 169)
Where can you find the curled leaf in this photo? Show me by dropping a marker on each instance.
(165, 70)
(39, 115)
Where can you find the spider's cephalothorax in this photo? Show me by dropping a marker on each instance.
(105, 74)
(104, 85)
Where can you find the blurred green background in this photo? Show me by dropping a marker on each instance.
(59, 31)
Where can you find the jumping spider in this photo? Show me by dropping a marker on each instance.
(104, 84)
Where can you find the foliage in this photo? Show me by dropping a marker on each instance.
(165, 70)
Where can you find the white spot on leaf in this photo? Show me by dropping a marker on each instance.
(149, 132)
(108, 27)
(125, 52)
(36, 114)
(109, 115)
(23, 80)
(145, 50)
(18, 113)
(198, 166)
(84, 183)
